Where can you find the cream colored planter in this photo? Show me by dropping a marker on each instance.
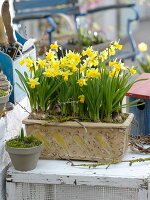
(102, 142)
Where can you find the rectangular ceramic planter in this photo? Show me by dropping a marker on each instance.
(102, 142)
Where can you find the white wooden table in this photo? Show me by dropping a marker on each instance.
(58, 180)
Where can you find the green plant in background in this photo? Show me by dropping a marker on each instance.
(144, 58)
(87, 38)
(3, 93)
(86, 85)
(22, 141)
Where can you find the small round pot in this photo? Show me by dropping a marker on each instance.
(3, 101)
(24, 159)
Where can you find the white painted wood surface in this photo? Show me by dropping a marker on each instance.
(60, 172)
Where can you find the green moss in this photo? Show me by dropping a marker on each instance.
(25, 142)
(3, 93)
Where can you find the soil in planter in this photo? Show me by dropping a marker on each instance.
(116, 118)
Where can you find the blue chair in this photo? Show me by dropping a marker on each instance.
(38, 9)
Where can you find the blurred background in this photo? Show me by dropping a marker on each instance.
(112, 24)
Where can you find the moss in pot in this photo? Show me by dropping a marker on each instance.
(24, 151)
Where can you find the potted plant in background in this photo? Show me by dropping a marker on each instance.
(76, 103)
(84, 39)
(24, 151)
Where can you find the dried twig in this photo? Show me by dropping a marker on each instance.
(114, 162)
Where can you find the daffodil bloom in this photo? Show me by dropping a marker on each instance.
(49, 72)
(117, 45)
(63, 62)
(82, 82)
(112, 63)
(70, 55)
(77, 58)
(111, 50)
(54, 63)
(88, 52)
(93, 61)
(81, 98)
(22, 62)
(41, 63)
(33, 82)
(104, 55)
(50, 55)
(132, 70)
(92, 73)
(66, 74)
(112, 74)
(83, 67)
(29, 62)
(142, 46)
(74, 68)
(54, 46)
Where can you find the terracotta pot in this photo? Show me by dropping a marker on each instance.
(24, 159)
(102, 142)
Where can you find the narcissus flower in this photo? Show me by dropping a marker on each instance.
(132, 70)
(66, 74)
(117, 45)
(104, 55)
(21, 62)
(82, 82)
(54, 46)
(50, 55)
(142, 46)
(92, 73)
(33, 82)
(111, 74)
(49, 72)
(41, 63)
(81, 98)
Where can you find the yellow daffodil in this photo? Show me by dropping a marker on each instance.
(54, 46)
(93, 61)
(41, 63)
(112, 74)
(22, 62)
(132, 70)
(54, 64)
(112, 63)
(117, 45)
(92, 73)
(49, 72)
(111, 50)
(50, 55)
(82, 82)
(83, 67)
(33, 82)
(66, 74)
(89, 52)
(74, 68)
(81, 98)
(104, 55)
(142, 46)
(29, 62)
(63, 62)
